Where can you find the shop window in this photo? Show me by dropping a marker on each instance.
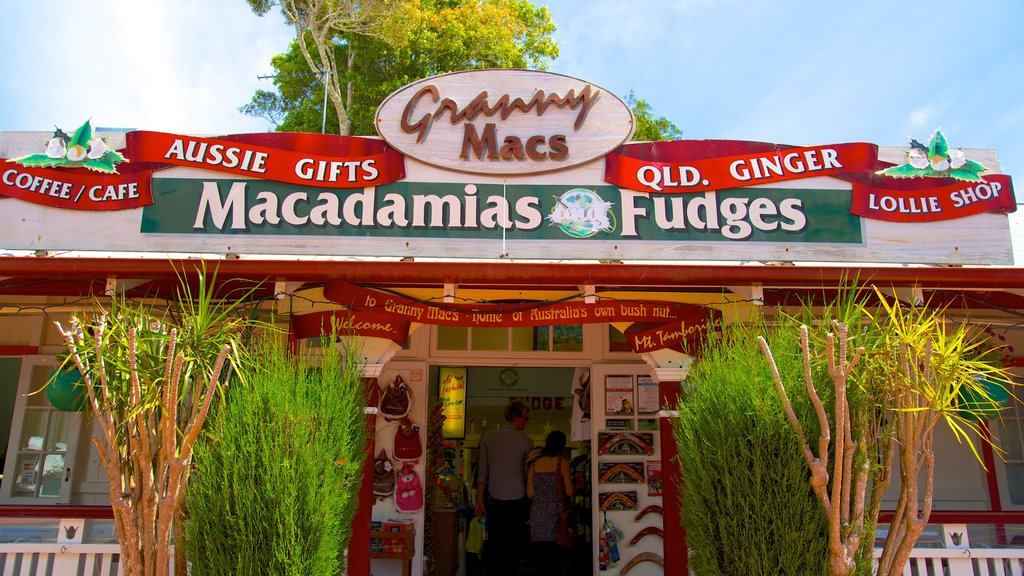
(489, 338)
(527, 339)
(567, 338)
(617, 341)
(452, 338)
(1011, 439)
(515, 339)
(42, 442)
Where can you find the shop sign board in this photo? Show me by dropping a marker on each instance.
(504, 121)
(492, 211)
(503, 164)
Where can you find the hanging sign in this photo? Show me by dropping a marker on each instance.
(453, 401)
(345, 323)
(504, 121)
(671, 324)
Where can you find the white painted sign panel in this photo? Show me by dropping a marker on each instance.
(504, 121)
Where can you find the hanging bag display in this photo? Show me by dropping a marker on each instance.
(408, 445)
(383, 476)
(396, 400)
(408, 491)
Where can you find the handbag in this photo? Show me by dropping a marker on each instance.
(408, 491)
(565, 525)
(383, 476)
(477, 535)
(407, 441)
(396, 400)
(565, 528)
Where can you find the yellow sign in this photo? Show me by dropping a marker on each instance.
(453, 401)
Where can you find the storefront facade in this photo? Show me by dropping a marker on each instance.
(502, 240)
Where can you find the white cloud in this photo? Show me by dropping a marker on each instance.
(922, 117)
(183, 66)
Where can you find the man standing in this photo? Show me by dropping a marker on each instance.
(501, 490)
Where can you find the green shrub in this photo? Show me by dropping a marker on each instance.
(277, 473)
(747, 503)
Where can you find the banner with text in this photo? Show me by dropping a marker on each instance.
(673, 324)
(691, 166)
(324, 161)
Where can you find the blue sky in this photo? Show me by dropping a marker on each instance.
(793, 72)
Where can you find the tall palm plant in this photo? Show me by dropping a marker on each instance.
(151, 377)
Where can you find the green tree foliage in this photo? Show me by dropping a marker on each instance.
(439, 36)
(276, 480)
(748, 506)
(649, 128)
(318, 23)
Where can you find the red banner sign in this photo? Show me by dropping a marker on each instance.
(686, 166)
(677, 324)
(704, 165)
(323, 161)
(76, 188)
(916, 203)
(318, 160)
(345, 322)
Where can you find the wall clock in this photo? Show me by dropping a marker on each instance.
(509, 377)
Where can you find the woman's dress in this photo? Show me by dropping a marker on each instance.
(546, 503)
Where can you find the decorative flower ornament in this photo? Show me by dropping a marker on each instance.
(81, 150)
(936, 160)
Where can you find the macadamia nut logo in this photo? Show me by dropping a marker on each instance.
(81, 150)
(581, 213)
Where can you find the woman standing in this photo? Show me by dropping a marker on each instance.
(549, 487)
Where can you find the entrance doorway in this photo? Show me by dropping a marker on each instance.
(553, 396)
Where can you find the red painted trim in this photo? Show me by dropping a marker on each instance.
(674, 549)
(18, 350)
(521, 274)
(19, 511)
(994, 500)
(359, 543)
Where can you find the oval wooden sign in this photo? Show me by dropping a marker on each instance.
(504, 121)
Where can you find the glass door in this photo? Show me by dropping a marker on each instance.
(41, 451)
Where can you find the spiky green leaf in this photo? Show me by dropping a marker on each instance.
(38, 161)
(972, 165)
(965, 174)
(58, 133)
(938, 146)
(905, 171)
(82, 136)
(102, 164)
(114, 156)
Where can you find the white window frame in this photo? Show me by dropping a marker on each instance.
(28, 366)
(1016, 412)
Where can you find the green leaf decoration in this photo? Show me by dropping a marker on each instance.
(103, 164)
(114, 156)
(38, 161)
(937, 146)
(964, 174)
(905, 171)
(972, 165)
(82, 136)
(58, 133)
